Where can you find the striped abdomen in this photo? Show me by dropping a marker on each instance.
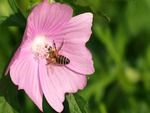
(62, 60)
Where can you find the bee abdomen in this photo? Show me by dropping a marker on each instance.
(62, 60)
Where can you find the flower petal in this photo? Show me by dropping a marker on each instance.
(24, 73)
(48, 19)
(58, 80)
(75, 35)
(23, 50)
(80, 59)
(78, 29)
(70, 80)
(48, 88)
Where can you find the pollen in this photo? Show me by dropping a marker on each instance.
(38, 47)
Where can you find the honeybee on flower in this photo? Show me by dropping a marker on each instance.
(53, 25)
(54, 57)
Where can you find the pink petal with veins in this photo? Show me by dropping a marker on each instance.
(55, 83)
(48, 19)
(76, 34)
(24, 73)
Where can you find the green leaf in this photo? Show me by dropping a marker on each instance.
(15, 19)
(12, 20)
(46, 107)
(77, 104)
(8, 96)
(17, 12)
(105, 36)
(101, 14)
(2, 19)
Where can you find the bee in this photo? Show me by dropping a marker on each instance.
(54, 57)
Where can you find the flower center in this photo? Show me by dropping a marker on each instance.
(39, 47)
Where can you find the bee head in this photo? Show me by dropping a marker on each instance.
(48, 47)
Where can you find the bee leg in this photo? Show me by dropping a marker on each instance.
(61, 45)
(54, 45)
(48, 63)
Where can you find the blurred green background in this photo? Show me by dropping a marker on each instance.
(120, 45)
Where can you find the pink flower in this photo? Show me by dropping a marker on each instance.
(36, 67)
